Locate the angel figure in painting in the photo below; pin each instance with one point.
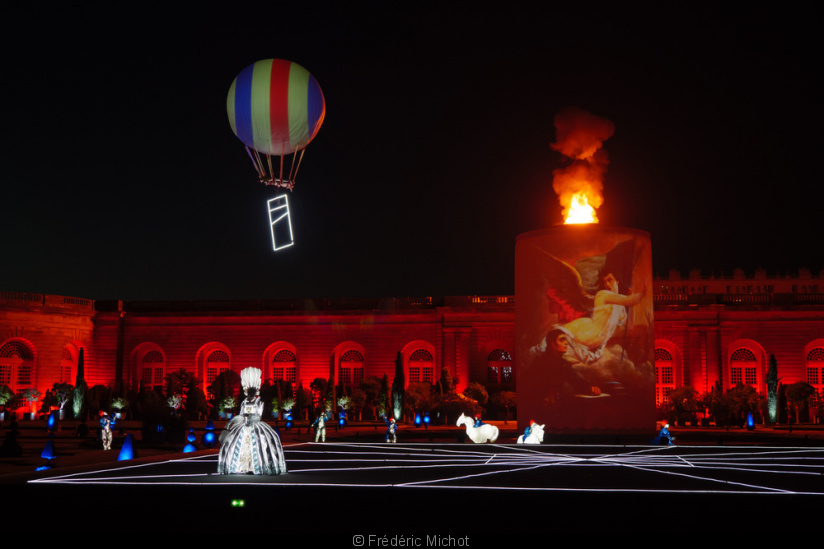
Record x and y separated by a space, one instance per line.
588 335
586 303
249 445
586 319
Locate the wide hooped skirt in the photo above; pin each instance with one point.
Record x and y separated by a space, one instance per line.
252 448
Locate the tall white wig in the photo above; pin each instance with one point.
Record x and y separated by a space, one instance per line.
250 379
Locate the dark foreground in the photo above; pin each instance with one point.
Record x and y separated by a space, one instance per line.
444 493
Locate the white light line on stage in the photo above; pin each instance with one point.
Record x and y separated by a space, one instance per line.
119 469
620 490
108 480
714 480
338 460
453 479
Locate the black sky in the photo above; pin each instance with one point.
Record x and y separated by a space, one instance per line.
123 180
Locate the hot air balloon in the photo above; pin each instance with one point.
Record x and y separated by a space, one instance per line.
275 108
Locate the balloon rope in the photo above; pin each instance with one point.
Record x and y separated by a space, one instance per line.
299 161
281 162
269 161
261 171
292 165
255 164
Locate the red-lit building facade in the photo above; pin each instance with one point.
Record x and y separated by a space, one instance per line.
707 329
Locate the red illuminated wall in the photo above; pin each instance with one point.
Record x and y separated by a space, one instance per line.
129 340
702 324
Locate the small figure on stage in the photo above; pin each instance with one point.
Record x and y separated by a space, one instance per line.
391 430
534 434
106 424
528 430
478 421
320 427
663 435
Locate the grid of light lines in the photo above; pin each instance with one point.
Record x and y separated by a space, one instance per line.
675 469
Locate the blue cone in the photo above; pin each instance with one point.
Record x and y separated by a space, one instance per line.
127 450
48 451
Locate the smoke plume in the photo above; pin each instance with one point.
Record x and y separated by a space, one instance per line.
580 137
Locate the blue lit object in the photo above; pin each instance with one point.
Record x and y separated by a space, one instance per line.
48 451
426 420
208 439
127 450
417 420
43 468
191 436
750 422
52 421
210 425
189 448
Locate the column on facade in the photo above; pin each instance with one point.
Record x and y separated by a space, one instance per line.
693 364
449 352
714 362
462 359
456 355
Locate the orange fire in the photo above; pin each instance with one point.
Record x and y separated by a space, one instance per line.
579 211
580 137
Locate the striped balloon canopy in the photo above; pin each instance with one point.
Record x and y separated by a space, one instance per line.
275 107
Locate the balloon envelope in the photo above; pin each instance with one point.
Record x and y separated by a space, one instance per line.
275 106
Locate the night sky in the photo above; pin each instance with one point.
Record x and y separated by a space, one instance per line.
123 180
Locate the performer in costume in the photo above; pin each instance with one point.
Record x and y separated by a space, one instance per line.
663 435
249 445
528 430
106 424
391 430
478 421
320 427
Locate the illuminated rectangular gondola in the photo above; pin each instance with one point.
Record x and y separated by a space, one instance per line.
280 223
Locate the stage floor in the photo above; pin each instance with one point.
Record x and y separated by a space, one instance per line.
548 468
359 489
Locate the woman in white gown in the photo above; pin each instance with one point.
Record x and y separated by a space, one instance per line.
248 445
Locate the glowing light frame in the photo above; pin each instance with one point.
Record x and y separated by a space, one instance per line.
281 207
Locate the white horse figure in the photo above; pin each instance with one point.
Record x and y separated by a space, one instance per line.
479 435
536 435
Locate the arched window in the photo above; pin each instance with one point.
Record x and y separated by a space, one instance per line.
152 371
421 367
499 367
216 363
284 366
743 368
815 368
664 375
16 365
66 366
351 368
